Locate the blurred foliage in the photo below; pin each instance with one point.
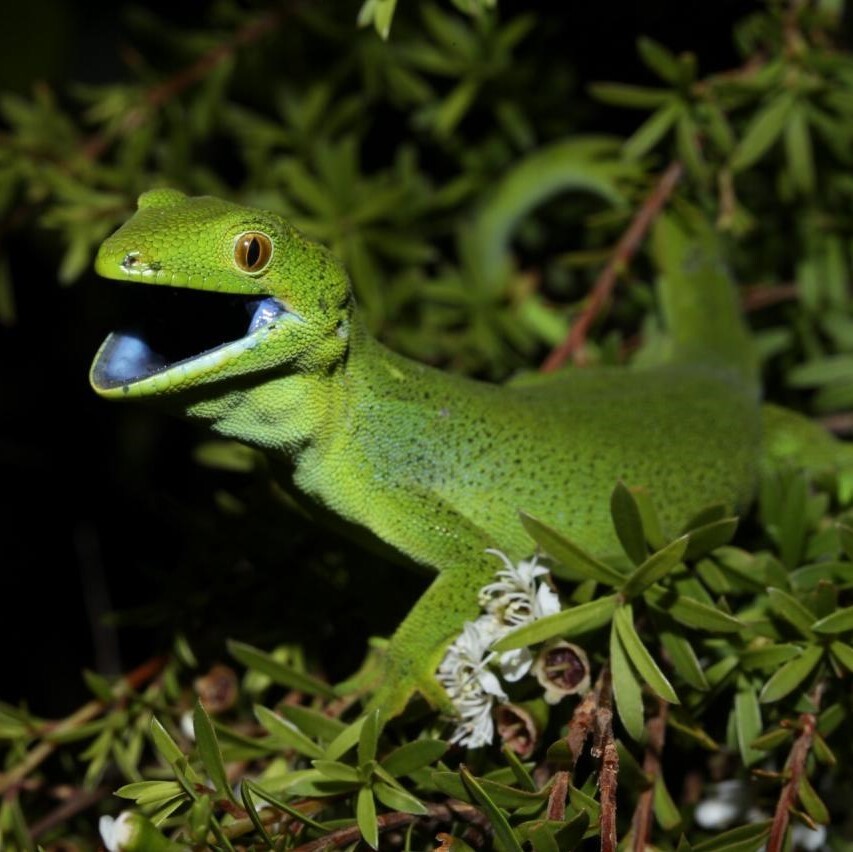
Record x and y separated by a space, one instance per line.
410 155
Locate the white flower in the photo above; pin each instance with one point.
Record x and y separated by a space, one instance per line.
516 599
471 686
116 833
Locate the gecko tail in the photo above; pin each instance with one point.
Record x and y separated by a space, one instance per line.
698 297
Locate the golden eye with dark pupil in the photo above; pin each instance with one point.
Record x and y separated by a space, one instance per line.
252 252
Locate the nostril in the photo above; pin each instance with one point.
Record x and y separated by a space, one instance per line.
130 260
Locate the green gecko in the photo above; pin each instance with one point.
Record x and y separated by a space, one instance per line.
436 465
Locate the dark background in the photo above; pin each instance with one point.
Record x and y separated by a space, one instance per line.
104 509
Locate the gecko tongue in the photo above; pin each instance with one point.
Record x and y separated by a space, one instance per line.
129 356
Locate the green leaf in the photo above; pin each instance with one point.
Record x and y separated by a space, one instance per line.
772 739
282 806
568 622
763 130
337 771
711 536
747 725
345 740
312 722
628 523
150 792
397 799
643 661
503 833
839 621
845 536
666 811
501 794
635 97
769 656
795 613
368 738
252 813
709 515
745 838
412 756
811 802
683 658
286 733
659 59
843 654
169 750
651 521
208 751
581 565
626 689
798 147
692 613
791 675
365 816
657 566
651 131
279 673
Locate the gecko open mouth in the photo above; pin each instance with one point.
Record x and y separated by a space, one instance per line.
199 326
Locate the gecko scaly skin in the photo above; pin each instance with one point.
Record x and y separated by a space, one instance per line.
437 466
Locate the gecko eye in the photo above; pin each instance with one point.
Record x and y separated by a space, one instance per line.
252 251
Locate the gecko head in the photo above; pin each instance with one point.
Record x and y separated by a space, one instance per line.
287 299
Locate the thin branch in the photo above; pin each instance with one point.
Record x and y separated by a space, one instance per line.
763 295
625 249
796 766
557 799
161 93
79 801
641 823
86 713
604 748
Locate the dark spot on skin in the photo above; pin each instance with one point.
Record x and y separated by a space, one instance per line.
155 266
324 305
125 389
444 412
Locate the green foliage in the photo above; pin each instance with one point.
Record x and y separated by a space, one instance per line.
744 634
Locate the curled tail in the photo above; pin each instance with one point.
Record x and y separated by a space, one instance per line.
698 297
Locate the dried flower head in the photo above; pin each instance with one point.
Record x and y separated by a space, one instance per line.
563 669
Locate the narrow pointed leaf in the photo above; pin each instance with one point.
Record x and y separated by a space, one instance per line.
365 816
748 725
657 566
636 97
503 833
693 613
626 689
397 799
666 811
791 675
312 722
169 750
744 838
412 756
763 130
581 565
279 673
284 732
628 523
345 740
811 802
337 771
795 613
843 653
651 131
567 622
252 813
840 621
659 59
709 537
283 806
684 659
368 738
643 661
208 751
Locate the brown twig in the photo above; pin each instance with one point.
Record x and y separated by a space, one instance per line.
641 823
80 800
162 92
396 819
625 249
840 423
796 766
604 748
557 799
763 295
582 722
86 713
